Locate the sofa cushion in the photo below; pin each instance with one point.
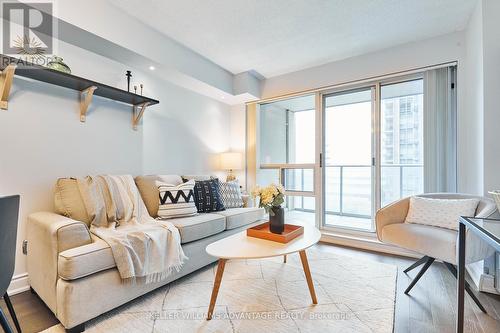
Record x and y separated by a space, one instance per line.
237 217
197 227
85 260
149 191
435 242
68 200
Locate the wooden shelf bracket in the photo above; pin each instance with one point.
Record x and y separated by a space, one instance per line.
137 114
85 99
6 78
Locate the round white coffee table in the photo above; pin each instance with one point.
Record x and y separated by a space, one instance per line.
240 246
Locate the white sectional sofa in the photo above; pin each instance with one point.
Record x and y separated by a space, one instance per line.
74 272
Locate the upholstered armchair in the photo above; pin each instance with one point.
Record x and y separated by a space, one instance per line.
432 242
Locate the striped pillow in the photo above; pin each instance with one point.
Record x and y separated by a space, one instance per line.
176 200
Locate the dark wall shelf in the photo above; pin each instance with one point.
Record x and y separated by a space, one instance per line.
70 81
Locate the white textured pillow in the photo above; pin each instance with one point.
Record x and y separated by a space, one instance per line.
442 213
176 200
230 194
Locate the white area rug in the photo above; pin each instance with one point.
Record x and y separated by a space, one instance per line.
266 295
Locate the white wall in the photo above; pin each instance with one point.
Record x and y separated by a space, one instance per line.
408 56
185 133
42 139
491 84
238 138
470 160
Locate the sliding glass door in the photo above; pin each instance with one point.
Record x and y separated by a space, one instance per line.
343 154
348 159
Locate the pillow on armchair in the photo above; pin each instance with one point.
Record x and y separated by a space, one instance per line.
443 213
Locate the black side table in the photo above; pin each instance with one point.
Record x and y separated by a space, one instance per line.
489 231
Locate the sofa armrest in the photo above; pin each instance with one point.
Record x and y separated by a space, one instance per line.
393 213
48 234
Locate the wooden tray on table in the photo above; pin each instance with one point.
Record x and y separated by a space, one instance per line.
262 231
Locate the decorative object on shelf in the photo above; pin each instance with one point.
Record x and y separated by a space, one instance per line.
128 75
263 231
231 161
271 198
135 90
142 86
58 64
496 197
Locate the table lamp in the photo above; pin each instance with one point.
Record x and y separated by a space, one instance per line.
231 161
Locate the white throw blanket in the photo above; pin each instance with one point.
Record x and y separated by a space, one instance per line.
144 249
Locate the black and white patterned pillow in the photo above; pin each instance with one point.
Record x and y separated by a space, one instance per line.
207 196
176 200
231 194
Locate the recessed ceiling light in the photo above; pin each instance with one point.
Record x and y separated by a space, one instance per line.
152 68
222 97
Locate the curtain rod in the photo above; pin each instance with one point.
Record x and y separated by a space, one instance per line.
348 83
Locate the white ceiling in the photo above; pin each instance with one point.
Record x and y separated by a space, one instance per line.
274 37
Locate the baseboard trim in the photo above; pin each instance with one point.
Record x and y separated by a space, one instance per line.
18 284
366 243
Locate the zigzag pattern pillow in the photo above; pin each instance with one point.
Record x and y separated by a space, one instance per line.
230 194
176 200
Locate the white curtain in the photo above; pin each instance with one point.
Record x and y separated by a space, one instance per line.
440 157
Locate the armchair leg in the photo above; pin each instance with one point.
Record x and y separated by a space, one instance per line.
417 263
12 312
453 271
427 264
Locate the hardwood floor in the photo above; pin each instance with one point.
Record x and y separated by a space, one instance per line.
431 305
32 313
429 308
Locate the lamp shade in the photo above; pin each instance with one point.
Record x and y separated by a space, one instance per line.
231 161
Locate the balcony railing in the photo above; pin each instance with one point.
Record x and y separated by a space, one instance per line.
349 187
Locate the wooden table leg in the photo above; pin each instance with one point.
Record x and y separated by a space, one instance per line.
284 258
307 272
215 290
